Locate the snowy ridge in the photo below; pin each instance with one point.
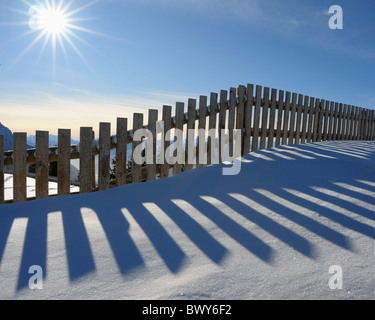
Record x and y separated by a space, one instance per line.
271 232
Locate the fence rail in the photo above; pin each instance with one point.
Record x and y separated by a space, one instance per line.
265 118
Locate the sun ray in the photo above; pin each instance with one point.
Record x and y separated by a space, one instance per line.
44 45
67 6
73 34
53 55
31 45
19 23
72 26
81 8
80 19
46 39
48 5
61 42
25 13
79 53
60 5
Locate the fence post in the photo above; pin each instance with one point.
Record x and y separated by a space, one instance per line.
343 125
292 119
271 133
367 127
104 155
41 164
335 113
152 120
371 124
346 123
63 161
280 110
248 118
179 115
305 119
240 117
325 120
19 167
258 104
231 119
166 138
211 141
222 120
284 139
2 149
85 160
349 123
264 129
353 125
121 150
361 121
93 166
339 122
299 118
320 121
137 168
316 120
330 120
202 126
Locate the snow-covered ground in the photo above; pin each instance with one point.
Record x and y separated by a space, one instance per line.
271 232
30 187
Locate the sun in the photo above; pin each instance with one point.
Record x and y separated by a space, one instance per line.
56 22
52 20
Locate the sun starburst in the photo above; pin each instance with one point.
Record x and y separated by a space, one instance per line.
55 21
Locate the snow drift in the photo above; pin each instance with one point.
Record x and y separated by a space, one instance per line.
271 232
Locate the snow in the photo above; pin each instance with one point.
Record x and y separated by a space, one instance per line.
30 185
271 232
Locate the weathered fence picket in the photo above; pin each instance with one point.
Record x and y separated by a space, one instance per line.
121 150
222 121
63 162
152 120
85 160
104 155
2 188
190 135
201 126
266 105
280 111
248 118
284 139
19 167
271 134
41 164
292 119
305 119
166 139
258 104
177 168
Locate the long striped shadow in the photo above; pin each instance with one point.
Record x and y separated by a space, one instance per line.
116 229
289 237
291 210
308 198
164 244
34 249
195 232
244 237
78 250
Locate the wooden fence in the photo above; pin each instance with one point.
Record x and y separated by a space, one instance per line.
267 118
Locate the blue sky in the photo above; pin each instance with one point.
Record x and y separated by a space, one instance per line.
141 54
